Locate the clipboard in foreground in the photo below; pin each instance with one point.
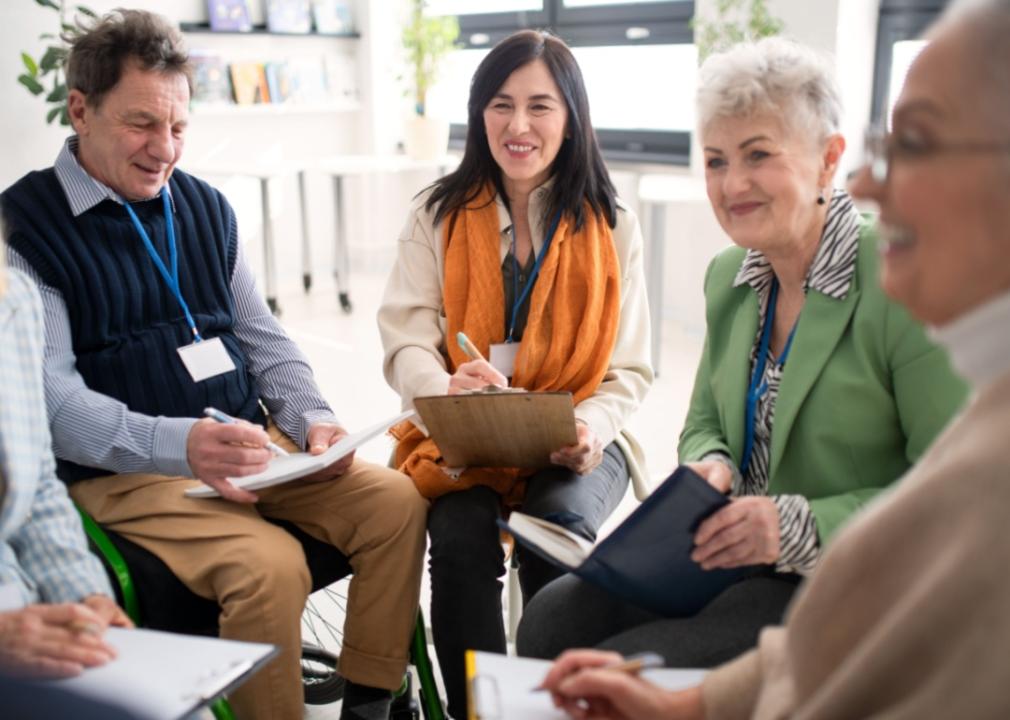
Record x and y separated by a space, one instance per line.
166 676
499 687
499 429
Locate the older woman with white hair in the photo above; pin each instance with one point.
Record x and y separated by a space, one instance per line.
906 615
814 392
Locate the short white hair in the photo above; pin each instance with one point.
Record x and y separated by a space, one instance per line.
774 76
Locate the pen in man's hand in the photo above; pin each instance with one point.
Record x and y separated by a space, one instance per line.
218 416
468 347
631 665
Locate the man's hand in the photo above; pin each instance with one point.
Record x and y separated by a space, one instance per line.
217 451
475 375
718 474
321 437
584 455
581 687
107 609
745 532
52 641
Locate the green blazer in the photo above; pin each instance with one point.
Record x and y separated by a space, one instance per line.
863 394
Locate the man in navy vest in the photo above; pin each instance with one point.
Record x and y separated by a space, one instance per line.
151 315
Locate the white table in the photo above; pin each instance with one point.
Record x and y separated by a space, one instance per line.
339 167
655 194
264 171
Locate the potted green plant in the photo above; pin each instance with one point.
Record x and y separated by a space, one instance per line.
735 21
44 74
427 40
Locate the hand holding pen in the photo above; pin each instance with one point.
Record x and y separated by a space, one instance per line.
222 447
593 683
476 374
218 416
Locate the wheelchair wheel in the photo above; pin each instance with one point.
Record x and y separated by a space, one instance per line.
321 682
321 644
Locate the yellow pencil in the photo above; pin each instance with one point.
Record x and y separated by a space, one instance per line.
468 347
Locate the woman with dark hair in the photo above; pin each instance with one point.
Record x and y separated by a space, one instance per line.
527 250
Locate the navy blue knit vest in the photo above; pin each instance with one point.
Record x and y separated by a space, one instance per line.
126 324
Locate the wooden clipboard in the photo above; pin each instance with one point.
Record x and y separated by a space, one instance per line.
499 429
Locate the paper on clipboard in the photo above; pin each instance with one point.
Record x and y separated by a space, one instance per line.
500 687
165 676
499 429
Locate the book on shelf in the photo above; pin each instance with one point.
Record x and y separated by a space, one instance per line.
308 79
288 16
332 16
249 81
229 15
211 82
278 81
646 561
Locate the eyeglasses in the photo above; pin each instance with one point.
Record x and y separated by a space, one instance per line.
882 148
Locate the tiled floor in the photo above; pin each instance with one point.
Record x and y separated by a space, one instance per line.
347 356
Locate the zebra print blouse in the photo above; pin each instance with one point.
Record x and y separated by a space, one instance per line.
830 274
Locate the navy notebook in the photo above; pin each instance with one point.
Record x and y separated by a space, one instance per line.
646 561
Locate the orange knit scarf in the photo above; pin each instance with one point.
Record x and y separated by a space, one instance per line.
568 340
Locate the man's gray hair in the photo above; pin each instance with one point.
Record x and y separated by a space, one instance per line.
774 76
99 54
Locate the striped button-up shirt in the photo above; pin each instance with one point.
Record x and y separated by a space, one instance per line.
43 552
96 430
831 274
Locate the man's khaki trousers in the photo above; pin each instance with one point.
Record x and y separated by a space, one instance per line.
256 571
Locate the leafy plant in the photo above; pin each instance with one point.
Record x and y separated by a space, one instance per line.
45 75
428 40
735 22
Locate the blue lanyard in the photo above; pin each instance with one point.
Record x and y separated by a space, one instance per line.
518 299
758 385
171 279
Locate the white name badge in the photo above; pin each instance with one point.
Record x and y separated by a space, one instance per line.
503 358
206 359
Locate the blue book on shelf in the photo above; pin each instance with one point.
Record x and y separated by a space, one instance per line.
646 561
229 15
288 16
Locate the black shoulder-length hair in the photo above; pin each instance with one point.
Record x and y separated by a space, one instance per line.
581 175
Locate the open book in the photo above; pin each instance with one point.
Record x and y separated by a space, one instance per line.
646 561
298 465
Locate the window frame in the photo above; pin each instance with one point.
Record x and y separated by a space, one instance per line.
660 23
898 20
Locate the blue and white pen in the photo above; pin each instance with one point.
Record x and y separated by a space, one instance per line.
218 416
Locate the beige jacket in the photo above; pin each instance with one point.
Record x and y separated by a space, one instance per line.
412 324
908 615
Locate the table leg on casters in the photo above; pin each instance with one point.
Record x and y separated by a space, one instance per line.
341 255
306 252
654 278
269 269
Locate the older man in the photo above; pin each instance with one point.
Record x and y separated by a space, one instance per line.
151 315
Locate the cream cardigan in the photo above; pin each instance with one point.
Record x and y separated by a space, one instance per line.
908 615
412 324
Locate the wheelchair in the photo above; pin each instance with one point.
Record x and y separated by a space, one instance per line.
155 598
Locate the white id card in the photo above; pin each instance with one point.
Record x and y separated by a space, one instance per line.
206 359
503 358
